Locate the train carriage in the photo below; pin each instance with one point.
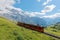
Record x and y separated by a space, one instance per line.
33 27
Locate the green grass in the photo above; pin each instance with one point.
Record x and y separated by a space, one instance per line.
10 31
53 30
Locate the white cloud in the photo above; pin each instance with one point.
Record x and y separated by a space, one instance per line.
38 0
6 4
56 15
48 8
45 3
34 14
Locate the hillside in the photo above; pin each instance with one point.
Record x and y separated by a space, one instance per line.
10 31
54 29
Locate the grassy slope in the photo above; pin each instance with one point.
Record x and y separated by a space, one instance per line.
51 29
10 31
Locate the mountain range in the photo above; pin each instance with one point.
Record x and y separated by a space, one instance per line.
21 16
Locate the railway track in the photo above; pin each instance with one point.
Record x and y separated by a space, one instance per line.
51 35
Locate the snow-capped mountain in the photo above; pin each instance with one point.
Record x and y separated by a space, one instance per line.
23 17
52 21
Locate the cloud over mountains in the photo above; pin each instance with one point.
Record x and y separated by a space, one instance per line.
56 15
7 5
8 10
4 4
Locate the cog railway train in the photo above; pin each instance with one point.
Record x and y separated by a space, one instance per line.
32 27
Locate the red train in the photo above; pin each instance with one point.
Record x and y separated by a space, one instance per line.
33 27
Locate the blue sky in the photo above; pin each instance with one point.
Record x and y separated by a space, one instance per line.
30 5
37 6
34 5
